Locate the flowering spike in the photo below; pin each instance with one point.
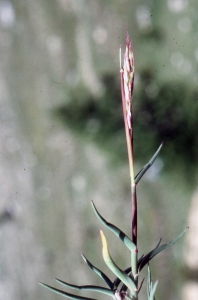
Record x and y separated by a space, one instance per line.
127 80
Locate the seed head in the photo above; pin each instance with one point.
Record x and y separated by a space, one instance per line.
128 80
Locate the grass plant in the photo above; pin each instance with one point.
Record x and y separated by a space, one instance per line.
126 284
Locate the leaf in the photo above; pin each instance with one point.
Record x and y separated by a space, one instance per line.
65 294
122 236
98 272
157 250
153 290
148 165
114 268
142 257
127 271
149 281
87 287
117 280
150 287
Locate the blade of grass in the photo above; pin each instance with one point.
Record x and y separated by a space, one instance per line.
122 236
114 268
65 294
98 272
157 250
87 288
148 165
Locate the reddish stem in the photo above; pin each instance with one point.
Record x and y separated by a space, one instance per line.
129 139
134 215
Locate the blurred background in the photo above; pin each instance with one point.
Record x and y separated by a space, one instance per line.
63 141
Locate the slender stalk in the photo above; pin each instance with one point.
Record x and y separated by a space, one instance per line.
134 255
127 80
129 132
134 214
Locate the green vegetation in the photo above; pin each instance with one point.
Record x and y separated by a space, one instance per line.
126 284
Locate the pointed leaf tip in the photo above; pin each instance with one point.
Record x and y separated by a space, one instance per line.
113 267
148 165
65 294
157 250
93 288
98 272
122 236
104 241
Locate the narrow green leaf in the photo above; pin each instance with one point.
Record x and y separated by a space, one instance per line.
153 290
117 280
157 250
114 268
128 270
142 257
148 165
122 236
87 287
149 282
150 288
98 272
65 294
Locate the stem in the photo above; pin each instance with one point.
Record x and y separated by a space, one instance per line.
129 133
134 255
129 140
134 214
